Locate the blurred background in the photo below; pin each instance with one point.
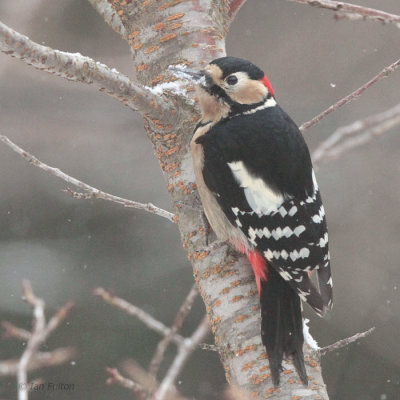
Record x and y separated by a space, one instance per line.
68 247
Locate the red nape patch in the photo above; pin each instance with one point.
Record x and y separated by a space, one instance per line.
266 83
259 266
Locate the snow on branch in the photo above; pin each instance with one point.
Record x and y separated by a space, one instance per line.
352 96
104 8
353 11
356 134
79 68
90 191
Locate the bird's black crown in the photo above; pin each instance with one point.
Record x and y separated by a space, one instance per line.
230 65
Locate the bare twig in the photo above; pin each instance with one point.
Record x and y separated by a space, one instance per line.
57 318
92 192
345 342
31 358
78 68
139 375
36 339
186 346
352 96
353 11
104 8
184 351
137 312
116 377
12 331
209 347
180 317
39 360
356 134
234 7
363 138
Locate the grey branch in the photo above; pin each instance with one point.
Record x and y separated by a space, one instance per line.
353 11
356 134
104 8
91 192
180 317
40 333
234 8
34 342
116 377
12 331
345 342
145 379
209 347
78 68
137 312
185 349
186 346
352 96
39 360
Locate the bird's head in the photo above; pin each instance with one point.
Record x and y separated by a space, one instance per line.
229 86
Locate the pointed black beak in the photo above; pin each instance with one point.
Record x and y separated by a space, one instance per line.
196 77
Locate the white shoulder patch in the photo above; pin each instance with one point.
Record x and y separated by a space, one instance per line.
261 198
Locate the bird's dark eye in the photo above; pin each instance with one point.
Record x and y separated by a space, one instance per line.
232 80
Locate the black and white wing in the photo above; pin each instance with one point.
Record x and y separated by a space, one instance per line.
264 182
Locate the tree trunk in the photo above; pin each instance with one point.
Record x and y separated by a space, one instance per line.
193 33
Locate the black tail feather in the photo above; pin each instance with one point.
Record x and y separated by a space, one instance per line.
281 325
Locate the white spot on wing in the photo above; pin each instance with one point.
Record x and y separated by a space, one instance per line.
268 254
293 211
323 241
303 295
235 210
303 253
299 229
285 275
277 233
252 236
317 218
261 198
284 254
282 211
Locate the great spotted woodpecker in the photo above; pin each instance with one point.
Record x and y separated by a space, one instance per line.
258 189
